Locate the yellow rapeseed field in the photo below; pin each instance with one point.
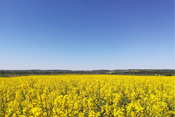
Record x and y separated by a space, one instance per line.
87 96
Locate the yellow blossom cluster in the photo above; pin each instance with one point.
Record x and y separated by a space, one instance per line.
87 96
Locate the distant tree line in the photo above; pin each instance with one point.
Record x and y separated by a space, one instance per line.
115 72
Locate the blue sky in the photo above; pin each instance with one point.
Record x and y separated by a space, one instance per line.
87 34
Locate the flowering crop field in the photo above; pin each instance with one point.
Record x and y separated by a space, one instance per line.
87 96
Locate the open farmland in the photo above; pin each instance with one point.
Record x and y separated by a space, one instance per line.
87 95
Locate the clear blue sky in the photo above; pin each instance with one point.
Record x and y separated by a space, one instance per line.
86 34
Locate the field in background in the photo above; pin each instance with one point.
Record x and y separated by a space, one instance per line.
87 95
